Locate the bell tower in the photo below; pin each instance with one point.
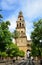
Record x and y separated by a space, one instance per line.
20 27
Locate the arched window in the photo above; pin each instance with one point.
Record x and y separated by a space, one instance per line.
20 24
17 25
20 18
28 45
21 31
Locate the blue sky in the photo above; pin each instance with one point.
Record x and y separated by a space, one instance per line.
32 11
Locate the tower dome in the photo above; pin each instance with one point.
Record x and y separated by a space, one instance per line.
20 14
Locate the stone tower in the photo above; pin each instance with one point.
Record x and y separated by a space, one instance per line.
20 27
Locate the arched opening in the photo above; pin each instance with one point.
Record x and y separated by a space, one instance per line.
21 33
20 18
28 53
20 24
28 50
28 45
17 25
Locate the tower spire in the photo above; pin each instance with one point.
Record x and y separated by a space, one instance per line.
21 24
20 14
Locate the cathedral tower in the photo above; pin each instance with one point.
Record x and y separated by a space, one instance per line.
20 27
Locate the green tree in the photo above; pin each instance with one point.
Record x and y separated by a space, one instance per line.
7 48
21 53
36 37
12 50
16 35
5 35
4 54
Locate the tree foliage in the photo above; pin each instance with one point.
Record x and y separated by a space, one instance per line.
21 53
16 34
7 48
12 50
5 35
36 37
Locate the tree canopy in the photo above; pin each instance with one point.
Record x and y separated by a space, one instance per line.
5 35
16 34
7 47
36 37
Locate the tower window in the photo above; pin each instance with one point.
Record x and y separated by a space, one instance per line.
17 25
21 31
20 24
20 18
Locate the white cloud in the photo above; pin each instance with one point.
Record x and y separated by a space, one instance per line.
29 28
32 8
13 40
28 37
12 20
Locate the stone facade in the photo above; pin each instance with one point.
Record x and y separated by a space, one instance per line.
22 41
